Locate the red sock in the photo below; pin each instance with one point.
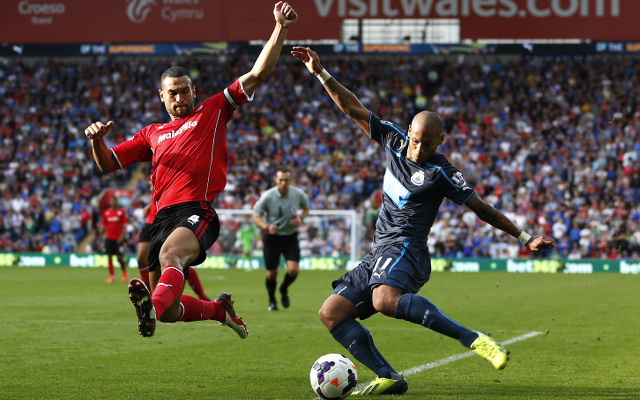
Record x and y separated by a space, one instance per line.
144 274
194 282
199 310
168 290
123 265
110 267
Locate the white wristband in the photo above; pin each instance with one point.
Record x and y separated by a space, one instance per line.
524 238
323 76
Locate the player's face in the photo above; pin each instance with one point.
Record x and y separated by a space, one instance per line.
423 143
178 96
283 180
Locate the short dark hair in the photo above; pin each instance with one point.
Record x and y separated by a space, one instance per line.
283 169
175 72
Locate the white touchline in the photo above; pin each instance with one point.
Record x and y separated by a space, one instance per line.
457 357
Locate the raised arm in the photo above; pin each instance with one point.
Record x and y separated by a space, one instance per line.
346 101
285 18
497 219
102 154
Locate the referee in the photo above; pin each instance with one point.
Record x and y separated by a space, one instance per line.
276 214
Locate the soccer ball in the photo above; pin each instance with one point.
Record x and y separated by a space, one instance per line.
333 377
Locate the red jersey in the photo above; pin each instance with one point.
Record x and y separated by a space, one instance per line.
189 155
153 210
114 222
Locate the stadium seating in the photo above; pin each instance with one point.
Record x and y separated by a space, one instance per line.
553 142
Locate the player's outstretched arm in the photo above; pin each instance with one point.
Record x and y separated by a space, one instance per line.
497 219
285 18
102 154
345 99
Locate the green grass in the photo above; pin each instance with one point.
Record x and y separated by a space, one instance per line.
65 334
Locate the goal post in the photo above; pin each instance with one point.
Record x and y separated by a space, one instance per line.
329 239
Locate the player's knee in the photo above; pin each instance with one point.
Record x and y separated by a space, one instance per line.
384 305
327 317
170 258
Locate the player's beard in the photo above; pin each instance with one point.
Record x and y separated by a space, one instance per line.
178 113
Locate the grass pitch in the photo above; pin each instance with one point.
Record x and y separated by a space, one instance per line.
65 334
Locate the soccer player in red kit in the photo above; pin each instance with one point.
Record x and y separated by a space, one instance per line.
144 244
114 219
189 157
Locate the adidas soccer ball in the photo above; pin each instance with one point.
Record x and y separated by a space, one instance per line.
333 377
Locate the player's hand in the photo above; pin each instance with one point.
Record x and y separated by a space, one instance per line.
285 15
540 242
309 58
98 130
146 210
295 221
272 229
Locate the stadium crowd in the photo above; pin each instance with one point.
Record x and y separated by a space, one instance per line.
551 141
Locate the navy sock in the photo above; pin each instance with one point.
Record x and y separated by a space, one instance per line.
420 310
358 341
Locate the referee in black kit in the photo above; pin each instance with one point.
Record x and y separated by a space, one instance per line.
276 214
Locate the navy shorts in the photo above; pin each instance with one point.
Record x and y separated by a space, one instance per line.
402 266
276 245
199 217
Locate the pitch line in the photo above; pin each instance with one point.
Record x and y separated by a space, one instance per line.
461 356
451 359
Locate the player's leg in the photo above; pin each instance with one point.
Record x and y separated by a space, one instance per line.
338 313
112 277
395 297
419 310
142 258
109 250
178 238
293 268
398 273
271 255
179 250
183 247
196 285
271 283
123 265
292 257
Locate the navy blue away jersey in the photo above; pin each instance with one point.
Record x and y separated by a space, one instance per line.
412 193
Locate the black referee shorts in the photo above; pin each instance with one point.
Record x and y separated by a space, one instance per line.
276 245
199 217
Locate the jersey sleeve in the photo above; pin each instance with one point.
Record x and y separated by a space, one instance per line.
455 187
382 131
304 203
236 96
136 149
260 208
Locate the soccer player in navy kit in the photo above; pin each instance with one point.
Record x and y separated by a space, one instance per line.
416 181
189 156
